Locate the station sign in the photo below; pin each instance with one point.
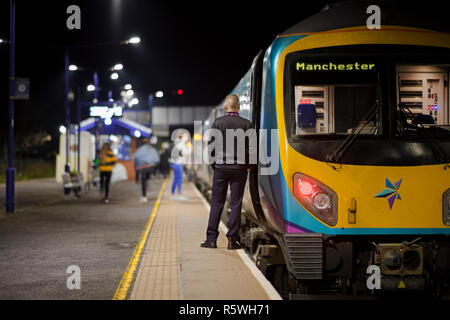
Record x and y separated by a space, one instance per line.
22 89
105 112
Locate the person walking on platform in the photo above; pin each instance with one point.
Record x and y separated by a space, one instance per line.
107 160
177 161
146 158
164 165
231 172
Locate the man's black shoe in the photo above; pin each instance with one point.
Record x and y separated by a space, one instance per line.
233 245
207 244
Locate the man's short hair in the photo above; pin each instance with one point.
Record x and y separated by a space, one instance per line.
232 101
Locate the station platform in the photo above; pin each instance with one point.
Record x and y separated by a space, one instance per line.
169 264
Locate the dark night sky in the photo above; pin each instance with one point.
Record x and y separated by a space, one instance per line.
202 47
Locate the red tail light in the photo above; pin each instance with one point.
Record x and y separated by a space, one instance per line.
317 198
305 188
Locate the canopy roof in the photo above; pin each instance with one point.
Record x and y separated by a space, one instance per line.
117 127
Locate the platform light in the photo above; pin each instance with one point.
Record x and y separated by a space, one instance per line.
108 121
159 94
90 88
130 93
73 67
118 67
62 129
134 40
133 102
113 138
114 76
137 133
128 86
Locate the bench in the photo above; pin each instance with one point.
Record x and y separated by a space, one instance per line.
68 183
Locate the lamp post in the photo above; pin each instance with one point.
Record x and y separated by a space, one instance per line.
67 106
133 40
10 172
79 127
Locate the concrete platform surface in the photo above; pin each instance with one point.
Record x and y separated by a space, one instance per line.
50 234
174 266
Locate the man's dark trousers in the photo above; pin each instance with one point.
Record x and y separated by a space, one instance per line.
236 178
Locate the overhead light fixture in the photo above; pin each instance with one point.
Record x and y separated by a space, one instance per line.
134 40
133 102
130 93
128 86
118 67
90 88
159 94
73 67
115 76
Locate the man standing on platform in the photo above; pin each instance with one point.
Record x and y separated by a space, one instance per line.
230 168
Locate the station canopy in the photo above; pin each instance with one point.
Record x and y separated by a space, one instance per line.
116 126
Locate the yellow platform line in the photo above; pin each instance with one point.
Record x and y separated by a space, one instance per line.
128 276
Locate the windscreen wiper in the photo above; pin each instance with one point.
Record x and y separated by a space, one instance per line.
443 156
339 152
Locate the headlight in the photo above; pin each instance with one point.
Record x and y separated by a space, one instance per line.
322 201
446 207
317 198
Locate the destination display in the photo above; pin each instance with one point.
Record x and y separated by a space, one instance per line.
333 66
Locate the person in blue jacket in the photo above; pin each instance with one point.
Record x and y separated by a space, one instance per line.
145 159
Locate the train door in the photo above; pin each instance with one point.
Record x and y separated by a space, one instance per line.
423 90
255 113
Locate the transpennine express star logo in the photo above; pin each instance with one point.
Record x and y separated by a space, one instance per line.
391 192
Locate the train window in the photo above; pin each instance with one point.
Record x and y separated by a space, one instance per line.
422 90
334 109
332 96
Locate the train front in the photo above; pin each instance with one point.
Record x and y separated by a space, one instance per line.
363 121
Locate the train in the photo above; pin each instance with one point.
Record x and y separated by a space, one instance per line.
360 203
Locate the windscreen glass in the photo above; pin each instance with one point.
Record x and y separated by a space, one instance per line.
332 96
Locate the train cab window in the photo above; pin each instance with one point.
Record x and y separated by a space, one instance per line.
334 108
333 97
421 88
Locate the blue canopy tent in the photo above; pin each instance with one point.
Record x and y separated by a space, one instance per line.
116 127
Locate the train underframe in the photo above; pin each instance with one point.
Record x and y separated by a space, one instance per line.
317 266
